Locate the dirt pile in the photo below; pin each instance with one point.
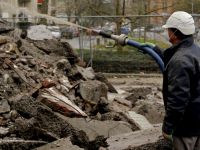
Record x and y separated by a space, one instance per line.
48 95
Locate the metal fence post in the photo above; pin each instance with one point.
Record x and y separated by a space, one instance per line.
91 55
82 38
79 38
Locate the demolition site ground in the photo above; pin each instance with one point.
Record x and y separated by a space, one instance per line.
50 100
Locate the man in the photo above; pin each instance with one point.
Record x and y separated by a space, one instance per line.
181 83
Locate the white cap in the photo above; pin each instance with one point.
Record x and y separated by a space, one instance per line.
182 21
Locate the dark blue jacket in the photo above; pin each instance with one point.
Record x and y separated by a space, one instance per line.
181 88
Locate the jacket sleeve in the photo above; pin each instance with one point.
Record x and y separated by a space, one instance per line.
178 94
159 50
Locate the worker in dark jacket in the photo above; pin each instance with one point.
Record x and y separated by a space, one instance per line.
181 83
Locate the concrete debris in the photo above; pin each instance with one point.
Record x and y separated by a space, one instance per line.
5 26
120 117
87 73
137 93
99 76
39 32
121 105
153 111
139 120
20 144
102 107
3 132
111 96
58 102
47 95
150 139
93 90
3 40
63 64
60 144
4 106
110 128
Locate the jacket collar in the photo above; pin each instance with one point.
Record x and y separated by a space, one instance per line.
187 42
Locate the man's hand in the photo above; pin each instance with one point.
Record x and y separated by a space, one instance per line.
150 45
166 136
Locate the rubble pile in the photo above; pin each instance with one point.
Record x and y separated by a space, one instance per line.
48 97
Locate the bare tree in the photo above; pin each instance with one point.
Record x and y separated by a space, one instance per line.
123 7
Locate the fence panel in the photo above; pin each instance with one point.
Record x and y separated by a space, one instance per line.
99 52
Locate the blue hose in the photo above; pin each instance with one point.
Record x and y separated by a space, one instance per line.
153 54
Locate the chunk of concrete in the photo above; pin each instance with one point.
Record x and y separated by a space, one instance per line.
121 116
39 32
5 26
111 96
121 105
3 40
47 120
4 106
93 90
20 144
87 73
139 120
137 93
63 64
65 81
3 131
58 102
150 139
153 111
95 128
25 128
102 106
99 76
60 144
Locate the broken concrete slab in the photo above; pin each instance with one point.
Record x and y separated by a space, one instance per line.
102 106
111 96
65 81
95 128
121 105
134 141
152 111
121 116
93 90
39 32
3 132
46 120
5 26
20 144
99 76
4 106
87 73
60 144
139 120
3 40
25 128
58 102
63 64
137 93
